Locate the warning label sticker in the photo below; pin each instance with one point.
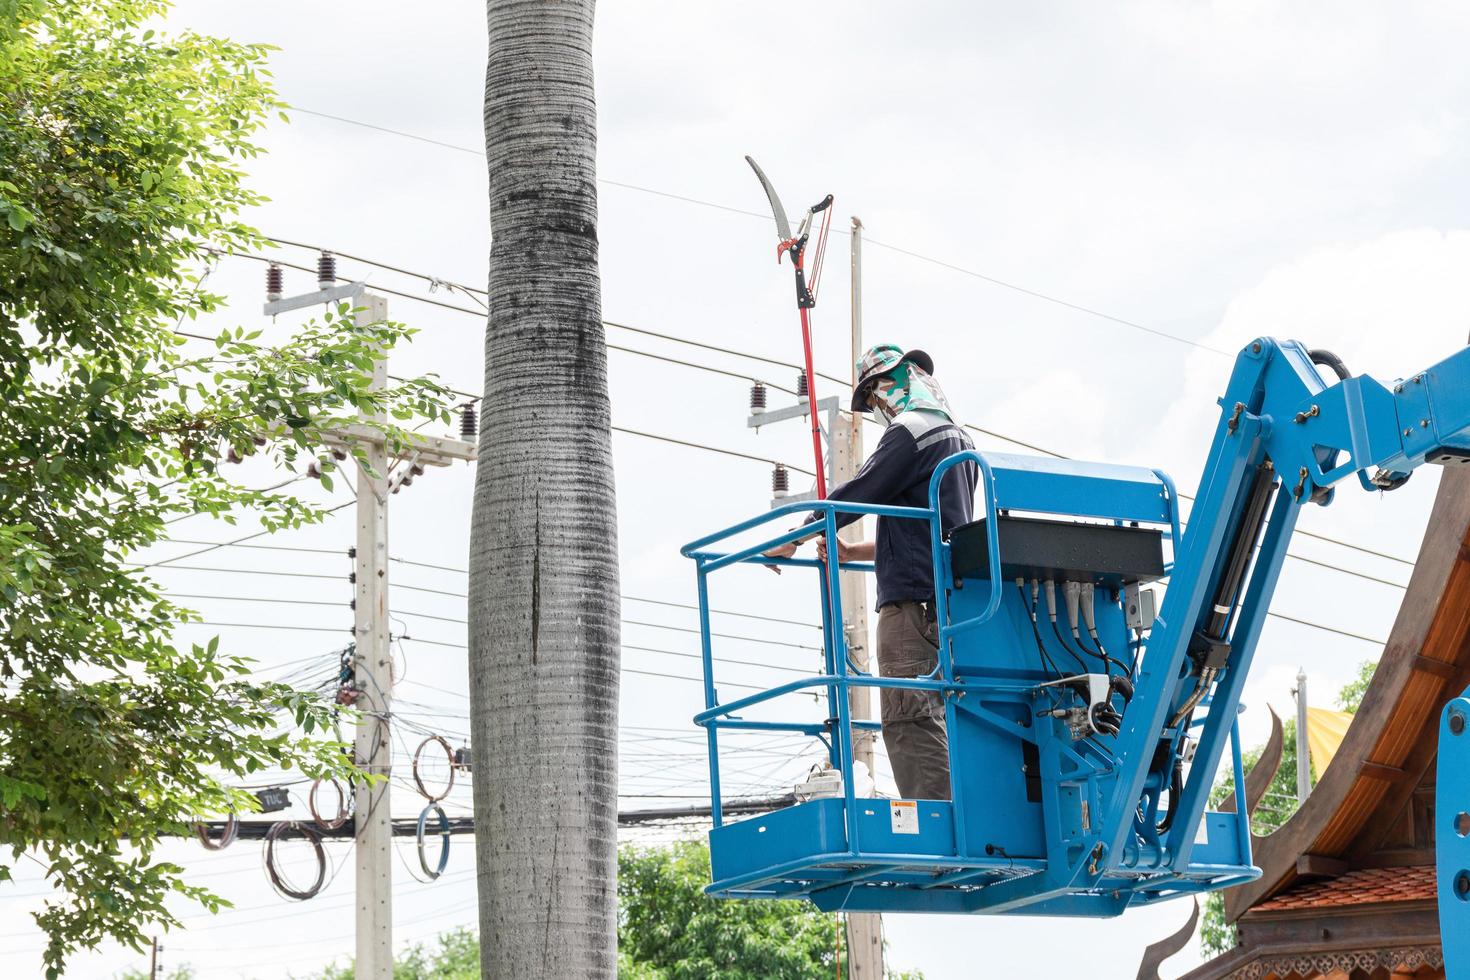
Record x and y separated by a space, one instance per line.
904 815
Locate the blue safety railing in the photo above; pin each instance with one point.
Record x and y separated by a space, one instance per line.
837 678
1030 485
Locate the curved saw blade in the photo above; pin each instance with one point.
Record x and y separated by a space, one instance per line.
783 226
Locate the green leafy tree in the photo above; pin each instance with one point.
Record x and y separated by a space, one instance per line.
1350 698
1277 806
121 180
185 972
456 958
669 929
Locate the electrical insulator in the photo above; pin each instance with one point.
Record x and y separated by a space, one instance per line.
326 270
801 385
232 456
780 479
758 397
417 469
313 470
469 425
339 454
275 282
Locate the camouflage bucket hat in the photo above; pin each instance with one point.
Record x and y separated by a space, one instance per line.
880 360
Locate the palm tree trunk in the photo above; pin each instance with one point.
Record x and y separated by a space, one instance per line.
543 547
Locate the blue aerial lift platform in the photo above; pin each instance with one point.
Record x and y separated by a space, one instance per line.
1085 732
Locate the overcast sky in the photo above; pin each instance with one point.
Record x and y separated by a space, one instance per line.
1212 172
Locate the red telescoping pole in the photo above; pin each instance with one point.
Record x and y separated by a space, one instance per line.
811 395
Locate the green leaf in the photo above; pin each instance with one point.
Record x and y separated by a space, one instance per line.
114 210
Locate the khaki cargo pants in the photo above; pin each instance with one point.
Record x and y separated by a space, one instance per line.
913 721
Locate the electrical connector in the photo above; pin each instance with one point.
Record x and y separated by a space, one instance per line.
1089 620
1071 593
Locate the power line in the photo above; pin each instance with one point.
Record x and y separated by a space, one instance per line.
625 622
425 564
733 453
722 636
625 670
975 428
718 660
992 280
269 626
268 547
247 598
713 449
226 544
479 314
630 598
723 612
1330 629
638 432
701 367
241 571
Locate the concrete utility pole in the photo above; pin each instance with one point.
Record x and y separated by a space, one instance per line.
1303 754
864 930
372 671
372 662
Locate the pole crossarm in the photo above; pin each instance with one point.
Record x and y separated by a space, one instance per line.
430 450
351 290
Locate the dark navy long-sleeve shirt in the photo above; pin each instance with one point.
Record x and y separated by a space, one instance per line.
897 474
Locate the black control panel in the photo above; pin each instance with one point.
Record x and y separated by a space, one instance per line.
1063 551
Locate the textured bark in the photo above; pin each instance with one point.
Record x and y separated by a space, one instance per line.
543 547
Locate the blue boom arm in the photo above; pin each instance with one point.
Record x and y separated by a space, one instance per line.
1279 420
1062 803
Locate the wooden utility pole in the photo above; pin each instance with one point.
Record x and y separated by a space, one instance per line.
864 930
372 671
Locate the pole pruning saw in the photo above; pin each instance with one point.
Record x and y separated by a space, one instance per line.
806 296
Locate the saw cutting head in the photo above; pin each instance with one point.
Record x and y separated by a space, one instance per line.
783 225
787 241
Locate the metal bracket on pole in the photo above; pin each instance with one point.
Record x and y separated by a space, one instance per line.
831 406
352 290
828 406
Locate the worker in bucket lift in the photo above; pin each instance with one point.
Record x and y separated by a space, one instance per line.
899 388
